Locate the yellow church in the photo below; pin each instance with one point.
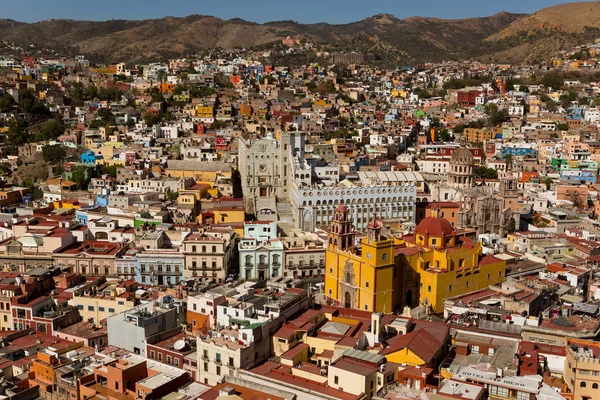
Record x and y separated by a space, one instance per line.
382 274
446 264
363 277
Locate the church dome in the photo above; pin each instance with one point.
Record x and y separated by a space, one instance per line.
462 156
375 223
341 208
433 226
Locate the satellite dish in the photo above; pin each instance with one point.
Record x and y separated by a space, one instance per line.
179 345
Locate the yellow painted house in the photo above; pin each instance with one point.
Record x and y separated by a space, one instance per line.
205 111
446 264
425 345
366 278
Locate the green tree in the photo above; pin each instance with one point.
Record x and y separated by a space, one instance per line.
76 93
6 103
552 80
171 195
51 129
562 127
161 76
110 170
548 183
152 119
157 96
111 94
34 189
495 116
486 173
444 135
424 94
90 92
81 176
5 169
54 153
512 225
16 136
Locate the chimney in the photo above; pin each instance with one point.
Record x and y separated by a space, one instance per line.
226 391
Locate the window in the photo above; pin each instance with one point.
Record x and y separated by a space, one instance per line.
582 384
330 292
169 359
206 367
90 308
428 288
449 288
489 276
336 380
367 284
101 309
218 370
159 356
152 354
80 306
584 372
177 362
467 283
218 357
594 386
331 270
231 361
111 310
474 349
491 351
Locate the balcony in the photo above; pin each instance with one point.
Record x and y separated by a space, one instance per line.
263 266
276 263
218 361
248 265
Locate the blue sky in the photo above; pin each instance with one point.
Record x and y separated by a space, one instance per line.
307 11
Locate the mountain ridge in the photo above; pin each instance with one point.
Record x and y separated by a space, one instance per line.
414 39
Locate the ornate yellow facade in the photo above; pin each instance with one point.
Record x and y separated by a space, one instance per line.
382 275
365 278
446 264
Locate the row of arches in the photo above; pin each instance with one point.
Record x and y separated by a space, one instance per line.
332 202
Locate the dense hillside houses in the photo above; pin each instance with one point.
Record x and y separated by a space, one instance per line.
232 225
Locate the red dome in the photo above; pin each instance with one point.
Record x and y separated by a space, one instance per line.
341 208
435 227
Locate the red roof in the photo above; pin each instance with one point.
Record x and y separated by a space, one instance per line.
435 227
423 343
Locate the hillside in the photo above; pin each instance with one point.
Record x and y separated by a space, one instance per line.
566 18
501 37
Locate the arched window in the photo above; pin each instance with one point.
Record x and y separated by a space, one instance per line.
193 249
582 384
214 249
594 386
204 249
